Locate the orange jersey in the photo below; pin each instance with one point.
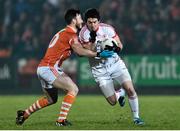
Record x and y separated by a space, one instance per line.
59 48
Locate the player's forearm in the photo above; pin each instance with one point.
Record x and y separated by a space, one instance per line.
120 45
86 52
83 52
89 46
119 42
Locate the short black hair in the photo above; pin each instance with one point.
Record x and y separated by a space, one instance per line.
92 13
71 14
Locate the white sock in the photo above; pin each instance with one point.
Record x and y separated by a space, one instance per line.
134 105
120 92
117 95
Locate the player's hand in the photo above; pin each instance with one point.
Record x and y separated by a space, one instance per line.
105 54
92 36
116 48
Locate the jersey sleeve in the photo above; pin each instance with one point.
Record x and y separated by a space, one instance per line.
83 36
110 31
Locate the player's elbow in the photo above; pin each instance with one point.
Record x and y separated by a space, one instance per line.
78 50
121 46
79 55
83 52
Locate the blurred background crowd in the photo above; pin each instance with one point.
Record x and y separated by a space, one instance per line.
144 26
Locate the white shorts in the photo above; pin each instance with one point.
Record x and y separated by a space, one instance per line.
105 75
47 75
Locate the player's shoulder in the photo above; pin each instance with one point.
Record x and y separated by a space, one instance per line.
60 32
84 30
105 25
106 28
67 32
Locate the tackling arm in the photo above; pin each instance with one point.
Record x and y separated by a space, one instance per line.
89 46
78 48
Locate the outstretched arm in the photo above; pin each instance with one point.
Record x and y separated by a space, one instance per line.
78 48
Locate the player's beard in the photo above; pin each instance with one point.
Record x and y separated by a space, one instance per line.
78 28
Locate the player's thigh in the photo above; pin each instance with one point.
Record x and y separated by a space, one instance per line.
122 76
126 82
107 87
51 77
65 82
47 75
120 70
105 83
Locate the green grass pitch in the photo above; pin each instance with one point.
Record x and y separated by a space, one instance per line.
94 113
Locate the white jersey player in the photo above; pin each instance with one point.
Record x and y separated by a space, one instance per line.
106 70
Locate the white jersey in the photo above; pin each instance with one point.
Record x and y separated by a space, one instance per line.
105 70
104 31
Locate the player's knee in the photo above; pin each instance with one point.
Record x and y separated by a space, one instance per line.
131 92
111 101
74 90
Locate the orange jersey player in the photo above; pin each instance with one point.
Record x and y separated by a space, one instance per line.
59 48
51 75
